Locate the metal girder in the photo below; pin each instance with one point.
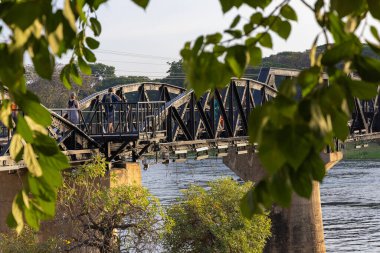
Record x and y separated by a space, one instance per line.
240 112
177 117
204 118
118 151
182 115
224 114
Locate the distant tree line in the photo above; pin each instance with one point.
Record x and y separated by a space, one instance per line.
103 76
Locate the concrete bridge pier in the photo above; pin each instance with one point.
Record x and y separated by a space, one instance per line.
123 173
298 228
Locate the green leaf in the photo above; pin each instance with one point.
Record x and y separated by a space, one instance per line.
32 218
25 198
52 166
11 222
48 207
237 34
16 147
92 43
270 154
74 74
236 59
257 3
142 3
69 15
368 68
198 45
256 201
31 161
302 182
247 204
65 77
43 61
5 113
341 51
363 90
23 129
36 111
90 57
45 145
22 14
95 26
255 56
339 122
280 189
317 166
227 5
265 40
282 28
58 161
345 8
374 8
34 126
294 144
84 67
308 79
17 213
288 12
375 33
256 18
235 22
214 38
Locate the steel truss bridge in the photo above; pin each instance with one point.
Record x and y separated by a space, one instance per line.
158 118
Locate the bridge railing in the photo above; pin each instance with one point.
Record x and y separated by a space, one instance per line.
141 118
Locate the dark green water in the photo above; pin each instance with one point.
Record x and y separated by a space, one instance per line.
350 197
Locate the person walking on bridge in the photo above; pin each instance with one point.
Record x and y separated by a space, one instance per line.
108 102
73 112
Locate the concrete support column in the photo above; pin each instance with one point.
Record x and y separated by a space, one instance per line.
11 184
298 228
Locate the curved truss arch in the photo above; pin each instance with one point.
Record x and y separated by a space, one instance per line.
222 113
166 92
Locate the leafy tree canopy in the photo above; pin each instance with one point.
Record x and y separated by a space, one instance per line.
110 82
211 221
176 75
294 132
102 71
95 211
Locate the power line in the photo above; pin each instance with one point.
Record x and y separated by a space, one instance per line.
120 53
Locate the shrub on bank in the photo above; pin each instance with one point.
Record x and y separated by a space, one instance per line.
210 220
28 242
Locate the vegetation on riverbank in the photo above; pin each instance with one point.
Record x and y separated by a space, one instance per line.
129 219
210 220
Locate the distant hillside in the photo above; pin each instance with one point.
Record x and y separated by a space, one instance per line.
300 60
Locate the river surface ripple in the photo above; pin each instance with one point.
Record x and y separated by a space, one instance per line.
350 197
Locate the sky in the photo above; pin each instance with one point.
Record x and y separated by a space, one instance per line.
141 42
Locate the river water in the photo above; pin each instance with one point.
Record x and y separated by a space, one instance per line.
350 197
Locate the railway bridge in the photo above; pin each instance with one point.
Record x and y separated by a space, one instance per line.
167 122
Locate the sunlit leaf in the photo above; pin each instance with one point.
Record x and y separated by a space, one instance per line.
15 149
69 15
288 12
31 160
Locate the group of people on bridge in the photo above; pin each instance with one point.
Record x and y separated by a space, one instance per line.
108 102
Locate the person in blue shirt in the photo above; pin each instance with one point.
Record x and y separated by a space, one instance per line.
108 102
